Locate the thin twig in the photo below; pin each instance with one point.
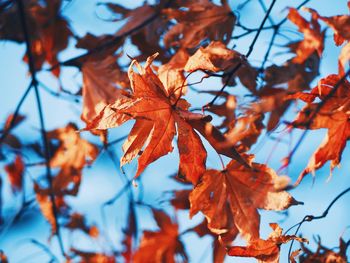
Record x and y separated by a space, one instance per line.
15 114
250 50
272 41
41 117
263 6
309 218
58 94
116 141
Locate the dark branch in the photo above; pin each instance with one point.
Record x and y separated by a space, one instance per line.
250 50
309 218
15 114
32 69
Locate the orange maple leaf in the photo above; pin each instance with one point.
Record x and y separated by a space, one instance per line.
313 37
333 115
163 245
156 112
45 204
15 172
77 221
296 76
88 256
217 57
237 192
49 30
340 25
266 251
198 22
324 254
71 157
103 83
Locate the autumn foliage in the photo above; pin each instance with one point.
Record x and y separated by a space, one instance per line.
182 52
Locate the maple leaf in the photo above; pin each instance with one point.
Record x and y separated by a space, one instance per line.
199 22
313 37
77 221
93 44
163 245
333 115
3 258
172 76
12 140
71 157
219 242
45 205
266 251
147 38
340 25
102 83
324 254
226 109
179 200
15 173
217 57
49 31
156 113
87 256
273 97
217 140
245 131
344 59
237 192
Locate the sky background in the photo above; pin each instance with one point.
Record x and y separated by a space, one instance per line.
103 179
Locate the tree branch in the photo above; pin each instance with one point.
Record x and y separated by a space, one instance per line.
41 117
309 218
15 114
250 50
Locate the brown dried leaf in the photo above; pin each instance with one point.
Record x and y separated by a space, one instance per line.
102 83
217 57
93 256
71 157
324 254
163 245
46 207
274 97
199 22
77 221
334 115
265 251
313 37
172 76
237 192
49 30
147 37
156 113
15 172
3 258
340 25
245 131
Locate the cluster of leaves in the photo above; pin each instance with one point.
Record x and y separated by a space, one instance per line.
176 39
